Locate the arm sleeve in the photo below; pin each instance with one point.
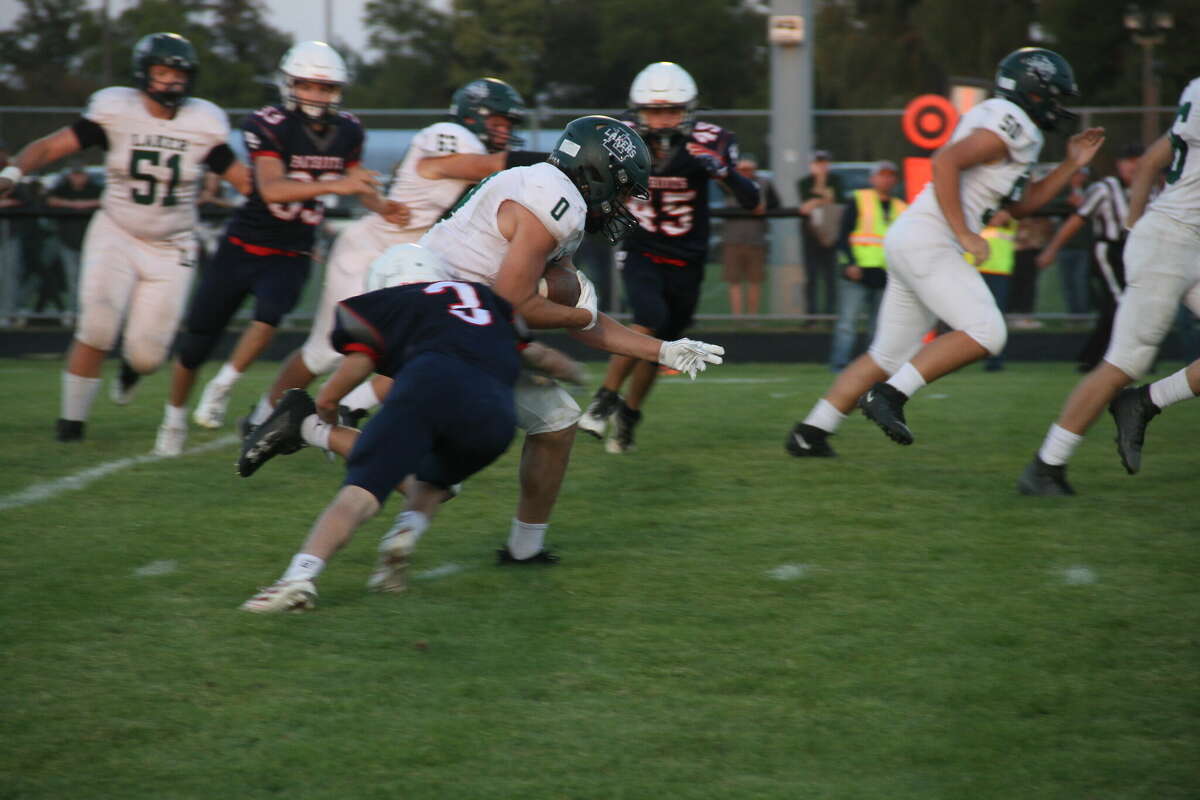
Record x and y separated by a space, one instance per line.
89 133
260 140
353 333
220 158
523 158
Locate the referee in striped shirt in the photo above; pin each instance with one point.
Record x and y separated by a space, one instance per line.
1106 203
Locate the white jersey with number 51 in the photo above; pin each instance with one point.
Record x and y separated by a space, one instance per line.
1180 199
469 240
153 165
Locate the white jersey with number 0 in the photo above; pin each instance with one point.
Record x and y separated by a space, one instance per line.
428 198
153 166
985 188
1180 199
470 242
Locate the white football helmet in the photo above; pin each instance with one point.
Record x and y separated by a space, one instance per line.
664 84
406 263
316 62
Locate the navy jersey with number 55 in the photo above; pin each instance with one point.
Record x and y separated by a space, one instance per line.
674 222
307 155
465 320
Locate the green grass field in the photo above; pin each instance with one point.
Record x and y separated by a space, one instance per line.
727 622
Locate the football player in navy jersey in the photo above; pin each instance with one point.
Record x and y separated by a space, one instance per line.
663 259
301 148
451 348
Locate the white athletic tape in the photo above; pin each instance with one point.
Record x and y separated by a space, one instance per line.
81 480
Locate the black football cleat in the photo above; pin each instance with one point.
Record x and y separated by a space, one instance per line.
68 430
595 419
807 441
279 435
351 417
504 557
1132 410
1040 478
883 404
620 438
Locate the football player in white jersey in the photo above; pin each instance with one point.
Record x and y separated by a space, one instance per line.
442 162
1162 267
140 249
502 235
985 167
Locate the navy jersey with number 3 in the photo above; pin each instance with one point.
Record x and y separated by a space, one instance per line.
307 155
465 320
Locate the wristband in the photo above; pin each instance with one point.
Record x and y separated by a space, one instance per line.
12 173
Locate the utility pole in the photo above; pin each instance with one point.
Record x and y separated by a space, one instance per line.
1149 29
790 33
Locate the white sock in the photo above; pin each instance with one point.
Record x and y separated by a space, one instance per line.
907 379
78 393
228 375
361 397
315 432
1058 445
824 416
175 416
261 411
414 521
525 538
1171 389
304 567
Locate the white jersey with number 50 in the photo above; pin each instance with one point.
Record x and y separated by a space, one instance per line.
469 240
1180 199
153 165
986 188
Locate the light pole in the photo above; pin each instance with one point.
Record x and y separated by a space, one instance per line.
1149 28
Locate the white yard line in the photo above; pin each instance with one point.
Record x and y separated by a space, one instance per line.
81 480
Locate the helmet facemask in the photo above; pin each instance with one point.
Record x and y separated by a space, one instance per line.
312 110
167 50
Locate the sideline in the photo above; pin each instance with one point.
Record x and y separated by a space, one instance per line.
80 480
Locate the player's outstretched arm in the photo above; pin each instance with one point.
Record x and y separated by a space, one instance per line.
354 369
276 187
461 166
1145 175
37 154
685 355
1081 148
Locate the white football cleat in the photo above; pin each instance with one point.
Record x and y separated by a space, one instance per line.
210 411
298 595
170 441
391 570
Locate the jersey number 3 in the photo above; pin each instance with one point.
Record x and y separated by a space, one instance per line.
468 307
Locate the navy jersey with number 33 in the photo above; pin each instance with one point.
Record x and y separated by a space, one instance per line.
307 155
465 320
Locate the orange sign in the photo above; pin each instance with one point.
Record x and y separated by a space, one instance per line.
929 120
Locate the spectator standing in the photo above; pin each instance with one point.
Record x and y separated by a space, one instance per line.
1074 259
821 199
1032 235
864 224
1001 235
744 254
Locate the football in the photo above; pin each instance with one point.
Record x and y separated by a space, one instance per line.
559 285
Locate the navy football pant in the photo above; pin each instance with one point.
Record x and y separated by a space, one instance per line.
444 420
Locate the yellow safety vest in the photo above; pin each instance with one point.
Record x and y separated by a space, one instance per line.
1002 244
866 240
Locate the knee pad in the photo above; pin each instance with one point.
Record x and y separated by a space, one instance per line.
319 359
991 332
195 348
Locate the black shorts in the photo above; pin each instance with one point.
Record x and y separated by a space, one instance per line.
443 421
663 296
276 281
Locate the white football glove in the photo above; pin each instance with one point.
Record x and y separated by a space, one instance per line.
689 355
587 299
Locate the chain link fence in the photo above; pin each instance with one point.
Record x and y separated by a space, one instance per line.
35 279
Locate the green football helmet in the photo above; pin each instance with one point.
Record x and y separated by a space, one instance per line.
472 104
1037 79
170 50
609 163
